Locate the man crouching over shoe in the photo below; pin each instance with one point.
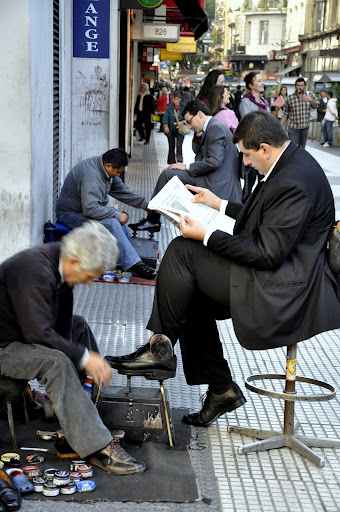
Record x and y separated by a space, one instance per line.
40 338
270 276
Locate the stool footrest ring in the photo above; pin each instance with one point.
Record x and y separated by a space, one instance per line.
290 397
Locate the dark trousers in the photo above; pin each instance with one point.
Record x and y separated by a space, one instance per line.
175 141
143 125
298 136
192 292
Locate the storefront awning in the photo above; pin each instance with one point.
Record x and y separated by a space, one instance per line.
329 77
194 15
286 71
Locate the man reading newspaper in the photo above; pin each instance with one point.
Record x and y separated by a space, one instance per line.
270 276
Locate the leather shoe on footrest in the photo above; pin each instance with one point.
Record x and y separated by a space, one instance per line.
114 459
143 363
216 405
143 270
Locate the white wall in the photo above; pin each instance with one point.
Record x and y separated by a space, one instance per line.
41 58
25 121
275 32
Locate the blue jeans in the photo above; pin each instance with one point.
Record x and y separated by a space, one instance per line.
77 414
127 254
327 131
298 136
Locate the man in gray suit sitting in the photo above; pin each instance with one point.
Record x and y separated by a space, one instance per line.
216 163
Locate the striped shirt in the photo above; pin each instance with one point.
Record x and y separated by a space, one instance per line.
297 111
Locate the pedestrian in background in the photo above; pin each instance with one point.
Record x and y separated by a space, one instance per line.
330 116
144 110
298 110
172 119
162 103
218 99
321 111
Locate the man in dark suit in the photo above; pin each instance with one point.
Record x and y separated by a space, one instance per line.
216 165
144 110
270 276
38 339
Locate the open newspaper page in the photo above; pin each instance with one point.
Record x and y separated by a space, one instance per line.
174 199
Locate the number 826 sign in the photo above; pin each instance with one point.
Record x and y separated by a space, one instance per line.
165 33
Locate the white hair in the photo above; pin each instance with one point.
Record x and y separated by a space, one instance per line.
93 245
146 86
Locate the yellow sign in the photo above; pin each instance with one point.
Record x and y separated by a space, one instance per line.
169 55
184 45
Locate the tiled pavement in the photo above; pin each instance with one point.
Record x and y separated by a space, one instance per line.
275 481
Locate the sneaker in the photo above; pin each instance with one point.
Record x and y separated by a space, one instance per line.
326 145
114 459
143 270
146 225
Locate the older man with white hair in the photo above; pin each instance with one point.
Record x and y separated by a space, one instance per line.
144 110
38 339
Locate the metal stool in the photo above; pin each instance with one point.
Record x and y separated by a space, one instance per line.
167 415
11 390
288 437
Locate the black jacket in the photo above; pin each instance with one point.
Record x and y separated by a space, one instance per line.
35 307
281 288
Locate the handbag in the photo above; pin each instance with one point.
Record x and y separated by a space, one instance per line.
333 249
183 129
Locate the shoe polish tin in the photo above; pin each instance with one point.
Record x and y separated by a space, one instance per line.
76 463
86 486
61 478
38 484
69 488
35 459
85 471
50 489
10 459
49 473
75 476
32 471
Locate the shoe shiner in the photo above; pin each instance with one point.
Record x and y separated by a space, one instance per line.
37 339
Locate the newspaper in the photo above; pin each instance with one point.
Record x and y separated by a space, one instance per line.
174 199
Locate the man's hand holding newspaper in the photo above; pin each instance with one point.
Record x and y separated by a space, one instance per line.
194 214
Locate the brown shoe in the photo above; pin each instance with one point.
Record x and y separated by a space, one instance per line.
114 459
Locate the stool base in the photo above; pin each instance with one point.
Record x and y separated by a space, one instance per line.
272 440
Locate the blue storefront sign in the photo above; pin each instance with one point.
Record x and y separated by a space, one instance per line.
91 24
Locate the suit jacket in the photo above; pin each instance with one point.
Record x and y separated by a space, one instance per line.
148 105
216 165
281 288
35 307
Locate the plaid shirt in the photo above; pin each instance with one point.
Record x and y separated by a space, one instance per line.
297 111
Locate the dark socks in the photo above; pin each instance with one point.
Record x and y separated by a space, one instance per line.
220 387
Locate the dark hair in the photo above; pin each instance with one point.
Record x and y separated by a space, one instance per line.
116 157
250 77
185 88
238 87
194 106
176 94
260 127
209 82
284 88
330 93
300 79
215 98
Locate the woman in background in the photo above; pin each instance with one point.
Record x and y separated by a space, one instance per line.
162 103
175 139
253 99
218 98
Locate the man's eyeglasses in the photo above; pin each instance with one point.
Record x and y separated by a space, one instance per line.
189 121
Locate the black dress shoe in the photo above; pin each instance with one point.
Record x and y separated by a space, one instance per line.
143 270
145 364
10 498
216 405
114 459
